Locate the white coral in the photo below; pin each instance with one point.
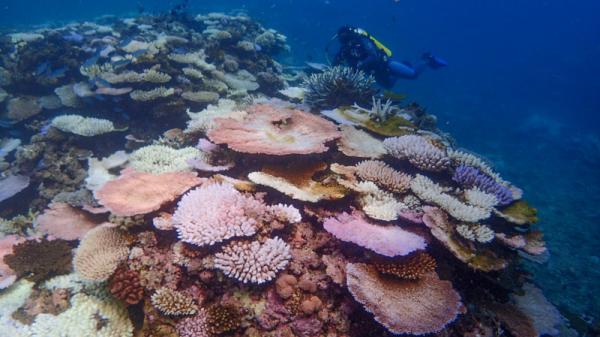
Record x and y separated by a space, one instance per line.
476 197
429 191
83 126
157 159
418 151
253 262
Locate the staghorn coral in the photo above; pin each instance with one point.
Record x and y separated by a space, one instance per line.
404 307
253 262
100 252
40 260
429 191
157 159
83 126
174 303
414 267
125 285
383 175
338 86
418 151
136 193
385 240
271 130
221 319
470 177
216 212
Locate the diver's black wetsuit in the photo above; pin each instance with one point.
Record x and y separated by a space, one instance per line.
358 50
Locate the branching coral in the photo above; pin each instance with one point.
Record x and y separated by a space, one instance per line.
275 131
83 126
476 232
40 260
216 212
385 240
383 175
338 86
171 302
194 326
404 307
413 267
429 191
253 262
100 253
418 151
469 177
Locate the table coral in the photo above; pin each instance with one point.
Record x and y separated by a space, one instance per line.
404 307
387 240
274 131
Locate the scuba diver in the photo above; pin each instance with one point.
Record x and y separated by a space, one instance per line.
360 50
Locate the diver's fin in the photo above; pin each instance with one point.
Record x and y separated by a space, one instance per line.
433 61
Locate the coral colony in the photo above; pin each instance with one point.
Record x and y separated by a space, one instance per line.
175 180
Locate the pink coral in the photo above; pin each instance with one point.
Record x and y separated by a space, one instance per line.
275 131
385 240
195 326
217 212
136 193
65 222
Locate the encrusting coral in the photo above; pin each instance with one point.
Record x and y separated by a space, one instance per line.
40 260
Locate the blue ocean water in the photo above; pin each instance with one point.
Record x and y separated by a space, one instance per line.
522 89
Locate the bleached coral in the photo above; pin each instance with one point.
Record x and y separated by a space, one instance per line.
476 197
418 151
429 191
375 202
151 95
253 262
99 169
203 121
87 316
157 159
171 302
83 126
197 59
357 143
476 232
216 212
149 76
200 96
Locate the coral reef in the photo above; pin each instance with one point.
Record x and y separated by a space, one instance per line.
100 252
413 267
469 177
171 302
125 285
418 151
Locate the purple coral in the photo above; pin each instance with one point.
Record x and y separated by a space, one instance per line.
469 177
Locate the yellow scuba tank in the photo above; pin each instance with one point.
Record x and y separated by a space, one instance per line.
378 44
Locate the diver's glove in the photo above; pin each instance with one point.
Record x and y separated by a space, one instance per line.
433 61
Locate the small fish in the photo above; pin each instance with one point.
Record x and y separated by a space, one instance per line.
317 66
257 47
180 50
139 53
120 63
56 73
91 61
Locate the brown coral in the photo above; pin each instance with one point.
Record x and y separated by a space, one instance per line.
125 285
383 175
413 267
222 318
40 260
171 302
